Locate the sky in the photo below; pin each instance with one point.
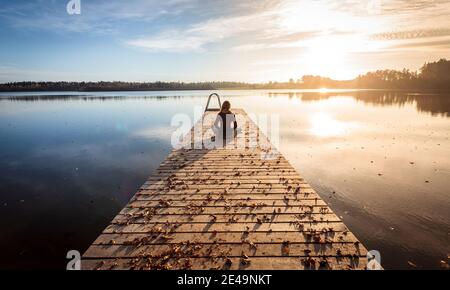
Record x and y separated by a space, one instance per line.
214 40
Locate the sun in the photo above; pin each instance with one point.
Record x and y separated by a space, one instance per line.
327 56
340 37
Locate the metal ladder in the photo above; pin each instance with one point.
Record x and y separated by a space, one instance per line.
207 109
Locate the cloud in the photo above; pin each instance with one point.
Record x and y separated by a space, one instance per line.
289 40
419 39
408 6
195 37
412 34
171 41
259 28
385 7
427 45
98 16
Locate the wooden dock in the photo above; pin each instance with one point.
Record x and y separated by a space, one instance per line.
226 209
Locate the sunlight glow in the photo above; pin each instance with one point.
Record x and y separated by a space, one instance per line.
323 57
323 125
332 55
331 52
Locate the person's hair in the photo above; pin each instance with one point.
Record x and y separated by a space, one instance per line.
225 106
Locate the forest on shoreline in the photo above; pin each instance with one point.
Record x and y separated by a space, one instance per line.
433 76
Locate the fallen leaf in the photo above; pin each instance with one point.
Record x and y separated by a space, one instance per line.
412 264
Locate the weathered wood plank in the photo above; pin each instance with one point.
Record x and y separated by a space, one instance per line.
203 218
199 250
217 197
304 190
255 263
232 203
158 228
227 210
233 237
288 187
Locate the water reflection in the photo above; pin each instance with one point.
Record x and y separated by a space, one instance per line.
37 98
436 104
70 161
324 125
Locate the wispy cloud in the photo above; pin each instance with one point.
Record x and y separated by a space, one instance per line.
430 45
197 36
290 40
411 34
98 16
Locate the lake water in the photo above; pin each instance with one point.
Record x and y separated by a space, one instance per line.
70 161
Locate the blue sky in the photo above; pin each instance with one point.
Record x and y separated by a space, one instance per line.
181 40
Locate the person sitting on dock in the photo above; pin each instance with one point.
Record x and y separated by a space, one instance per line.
224 124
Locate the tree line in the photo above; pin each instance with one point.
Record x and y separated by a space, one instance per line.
432 76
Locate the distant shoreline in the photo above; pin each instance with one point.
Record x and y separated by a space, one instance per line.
432 77
306 90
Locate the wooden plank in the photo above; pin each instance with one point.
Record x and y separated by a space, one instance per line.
216 197
232 203
255 263
304 190
233 237
228 210
229 171
158 228
203 218
249 176
200 250
220 163
288 188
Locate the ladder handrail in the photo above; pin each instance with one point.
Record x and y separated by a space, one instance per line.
209 99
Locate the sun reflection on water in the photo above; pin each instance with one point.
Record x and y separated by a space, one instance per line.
324 125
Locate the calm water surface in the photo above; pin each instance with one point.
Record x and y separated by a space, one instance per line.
70 161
